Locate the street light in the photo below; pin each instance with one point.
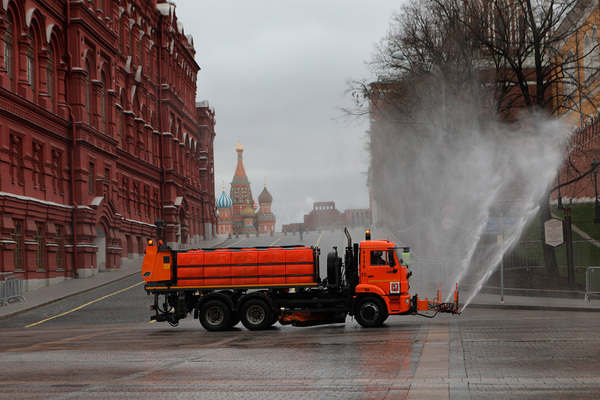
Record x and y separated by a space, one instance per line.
429 67
596 205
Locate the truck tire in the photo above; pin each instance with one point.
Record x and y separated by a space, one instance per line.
370 312
215 315
256 315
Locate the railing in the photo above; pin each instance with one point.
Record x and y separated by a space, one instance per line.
592 282
11 289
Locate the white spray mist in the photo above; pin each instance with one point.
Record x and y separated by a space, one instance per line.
446 176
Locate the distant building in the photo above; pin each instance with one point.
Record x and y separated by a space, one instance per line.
237 212
325 216
100 136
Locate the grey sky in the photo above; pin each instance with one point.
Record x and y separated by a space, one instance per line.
275 73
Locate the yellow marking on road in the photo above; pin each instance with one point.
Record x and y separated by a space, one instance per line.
241 240
319 239
276 241
84 305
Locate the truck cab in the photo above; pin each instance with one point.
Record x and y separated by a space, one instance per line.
384 272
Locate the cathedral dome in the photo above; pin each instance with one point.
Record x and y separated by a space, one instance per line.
265 196
248 212
224 201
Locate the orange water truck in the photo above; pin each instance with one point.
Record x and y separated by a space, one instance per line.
260 286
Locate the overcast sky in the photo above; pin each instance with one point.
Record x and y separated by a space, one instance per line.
275 72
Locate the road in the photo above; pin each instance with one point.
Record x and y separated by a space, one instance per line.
101 345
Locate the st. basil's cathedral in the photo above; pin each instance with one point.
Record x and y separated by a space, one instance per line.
236 213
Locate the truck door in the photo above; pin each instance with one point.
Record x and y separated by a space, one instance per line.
383 272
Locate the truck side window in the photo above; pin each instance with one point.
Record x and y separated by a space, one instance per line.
377 258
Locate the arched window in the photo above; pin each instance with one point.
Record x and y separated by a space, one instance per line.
103 102
569 76
8 51
30 60
39 253
120 33
122 124
587 56
50 77
60 248
88 90
17 237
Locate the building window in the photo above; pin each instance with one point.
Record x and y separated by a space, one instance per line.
60 247
17 236
103 103
50 77
87 83
30 66
39 239
91 177
16 160
120 33
8 50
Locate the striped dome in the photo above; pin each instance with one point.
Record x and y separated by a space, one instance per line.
224 201
265 196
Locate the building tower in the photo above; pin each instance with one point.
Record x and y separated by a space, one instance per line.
265 218
240 192
224 223
248 215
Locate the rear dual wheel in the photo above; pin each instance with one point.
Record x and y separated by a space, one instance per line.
256 315
215 315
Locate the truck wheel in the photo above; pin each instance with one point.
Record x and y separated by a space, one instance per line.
370 312
256 315
215 316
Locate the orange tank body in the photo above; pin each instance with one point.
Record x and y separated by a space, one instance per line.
235 267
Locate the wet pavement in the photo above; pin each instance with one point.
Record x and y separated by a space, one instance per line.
525 347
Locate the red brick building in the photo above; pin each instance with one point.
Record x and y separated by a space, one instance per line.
324 215
100 135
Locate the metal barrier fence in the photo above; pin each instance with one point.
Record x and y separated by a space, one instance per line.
592 282
11 289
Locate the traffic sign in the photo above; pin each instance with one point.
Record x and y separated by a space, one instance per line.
553 232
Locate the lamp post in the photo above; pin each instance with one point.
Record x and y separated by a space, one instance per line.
429 67
596 204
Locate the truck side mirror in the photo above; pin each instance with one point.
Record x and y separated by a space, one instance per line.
406 256
391 259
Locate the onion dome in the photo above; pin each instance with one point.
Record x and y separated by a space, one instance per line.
224 201
248 212
265 196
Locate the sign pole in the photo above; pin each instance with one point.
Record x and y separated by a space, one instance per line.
569 242
501 264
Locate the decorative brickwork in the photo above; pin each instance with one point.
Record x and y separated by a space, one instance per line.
100 135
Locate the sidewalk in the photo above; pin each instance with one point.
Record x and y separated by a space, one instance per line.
72 287
484 300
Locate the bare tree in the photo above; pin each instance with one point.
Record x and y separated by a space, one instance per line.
506 56
525 41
